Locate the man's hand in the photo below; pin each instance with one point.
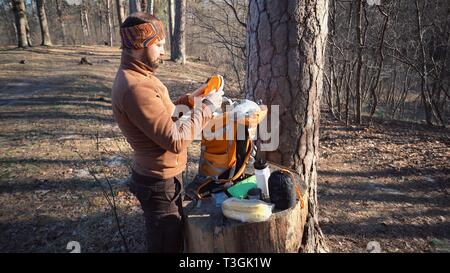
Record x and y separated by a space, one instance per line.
214 100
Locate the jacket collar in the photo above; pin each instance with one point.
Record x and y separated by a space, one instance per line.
129 62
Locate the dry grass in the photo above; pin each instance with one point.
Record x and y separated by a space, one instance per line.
52 111
386 183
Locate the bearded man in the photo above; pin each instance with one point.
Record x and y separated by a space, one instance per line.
148 119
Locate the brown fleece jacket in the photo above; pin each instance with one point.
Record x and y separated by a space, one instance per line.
143 110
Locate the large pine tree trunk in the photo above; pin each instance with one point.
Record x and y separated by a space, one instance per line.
178 53
120 11
45 33
21 22
286 42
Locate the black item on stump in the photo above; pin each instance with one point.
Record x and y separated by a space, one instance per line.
282 190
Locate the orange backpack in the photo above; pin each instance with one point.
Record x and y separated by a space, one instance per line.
223 161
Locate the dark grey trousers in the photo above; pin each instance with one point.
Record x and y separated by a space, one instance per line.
161 200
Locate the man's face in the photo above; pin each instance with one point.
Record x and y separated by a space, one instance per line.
154 53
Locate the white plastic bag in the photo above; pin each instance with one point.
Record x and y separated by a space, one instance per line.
245 210
245 107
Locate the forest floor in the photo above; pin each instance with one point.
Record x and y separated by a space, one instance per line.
388 182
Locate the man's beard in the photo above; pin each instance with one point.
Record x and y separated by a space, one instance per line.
153 64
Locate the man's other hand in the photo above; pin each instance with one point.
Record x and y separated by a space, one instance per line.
214 100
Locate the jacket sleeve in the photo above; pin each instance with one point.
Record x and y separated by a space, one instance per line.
145 109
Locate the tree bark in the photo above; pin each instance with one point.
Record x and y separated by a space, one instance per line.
144 5
430 111
34 15
332 79
135 6
347 96
27 28
286 42
151 6
110 26
171 19
61 21
16 33
45 34
373 88
359 9
83 25
21 22
101 19
84 18
12 33
120 11
178 53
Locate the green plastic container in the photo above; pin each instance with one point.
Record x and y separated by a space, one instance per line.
240 189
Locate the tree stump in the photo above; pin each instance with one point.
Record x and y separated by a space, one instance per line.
208 231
